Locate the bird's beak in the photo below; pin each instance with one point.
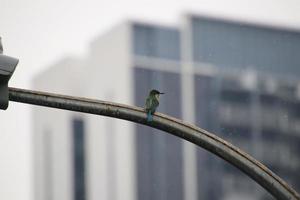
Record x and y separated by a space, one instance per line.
161 93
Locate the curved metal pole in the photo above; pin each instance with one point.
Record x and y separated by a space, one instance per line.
202 138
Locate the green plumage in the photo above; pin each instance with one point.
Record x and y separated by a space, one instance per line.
152 103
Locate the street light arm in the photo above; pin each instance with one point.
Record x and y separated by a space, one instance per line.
202 138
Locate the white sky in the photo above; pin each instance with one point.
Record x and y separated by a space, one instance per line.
40 32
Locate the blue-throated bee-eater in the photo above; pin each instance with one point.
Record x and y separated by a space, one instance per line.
152 103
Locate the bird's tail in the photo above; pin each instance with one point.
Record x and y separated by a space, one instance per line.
149 117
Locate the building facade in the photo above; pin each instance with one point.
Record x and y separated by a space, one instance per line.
236 79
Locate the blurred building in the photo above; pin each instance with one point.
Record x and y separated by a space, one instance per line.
236 79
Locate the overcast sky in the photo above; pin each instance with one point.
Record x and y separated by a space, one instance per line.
40 32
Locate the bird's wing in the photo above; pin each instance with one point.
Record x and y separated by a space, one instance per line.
148 104
151 104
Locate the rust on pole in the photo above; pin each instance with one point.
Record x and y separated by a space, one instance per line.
200 137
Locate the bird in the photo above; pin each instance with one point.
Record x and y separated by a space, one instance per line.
1 47
152 103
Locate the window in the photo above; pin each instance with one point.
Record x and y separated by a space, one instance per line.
78 159
159 155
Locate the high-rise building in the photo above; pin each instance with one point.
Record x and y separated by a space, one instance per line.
250 98
236 79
